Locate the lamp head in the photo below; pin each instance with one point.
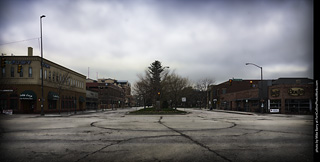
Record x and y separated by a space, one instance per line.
42 16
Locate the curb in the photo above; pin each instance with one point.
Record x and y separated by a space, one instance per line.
234 112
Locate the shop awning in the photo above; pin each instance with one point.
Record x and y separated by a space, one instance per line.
81 99
53 96
28 95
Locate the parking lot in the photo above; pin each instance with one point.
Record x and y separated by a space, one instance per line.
200 135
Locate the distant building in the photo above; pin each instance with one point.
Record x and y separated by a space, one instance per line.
92 100
111 93
284 95
20 85
126 86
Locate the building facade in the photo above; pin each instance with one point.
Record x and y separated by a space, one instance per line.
21 80
235 94
110 94
291 95
126 86
92 100
284 95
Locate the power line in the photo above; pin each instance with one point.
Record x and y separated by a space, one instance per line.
19 41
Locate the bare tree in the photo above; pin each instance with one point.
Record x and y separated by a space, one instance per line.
143 87
203 84
174 86
202 88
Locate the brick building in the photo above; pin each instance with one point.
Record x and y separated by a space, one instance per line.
110 94
92 100
284 95
235 94
126 86
291 95
20 85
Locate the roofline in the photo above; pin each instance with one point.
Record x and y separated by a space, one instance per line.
44 59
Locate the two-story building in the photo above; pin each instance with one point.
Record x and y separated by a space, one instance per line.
235 94
21 82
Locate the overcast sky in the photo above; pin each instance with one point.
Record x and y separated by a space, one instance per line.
196 38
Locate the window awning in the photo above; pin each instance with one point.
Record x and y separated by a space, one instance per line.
81 99
28 95
53 96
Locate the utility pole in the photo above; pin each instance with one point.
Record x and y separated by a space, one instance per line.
42 112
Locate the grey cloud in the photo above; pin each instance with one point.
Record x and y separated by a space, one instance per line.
197 38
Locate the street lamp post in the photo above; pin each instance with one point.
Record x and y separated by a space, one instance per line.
42 112
261 89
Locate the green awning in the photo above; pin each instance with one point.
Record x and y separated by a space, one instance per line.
81 99
53 96
28 95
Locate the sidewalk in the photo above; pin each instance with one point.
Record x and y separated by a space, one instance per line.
224 111
71 113
235 112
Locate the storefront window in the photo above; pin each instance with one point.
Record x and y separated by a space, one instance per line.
62 103
9 101
275 104
52 104
297 106
255 103
13 103
3 102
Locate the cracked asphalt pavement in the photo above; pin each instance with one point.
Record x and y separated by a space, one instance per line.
114 135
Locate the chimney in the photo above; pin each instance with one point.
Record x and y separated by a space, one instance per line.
30 51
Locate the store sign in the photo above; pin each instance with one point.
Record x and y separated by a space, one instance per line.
7 112
6 90
19 62
275 92
296 91
45 65
26 97
53 96
24 62
274 110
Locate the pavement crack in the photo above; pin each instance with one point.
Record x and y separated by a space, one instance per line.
193 140
91 153
122 141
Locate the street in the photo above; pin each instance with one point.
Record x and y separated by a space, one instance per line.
114 135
